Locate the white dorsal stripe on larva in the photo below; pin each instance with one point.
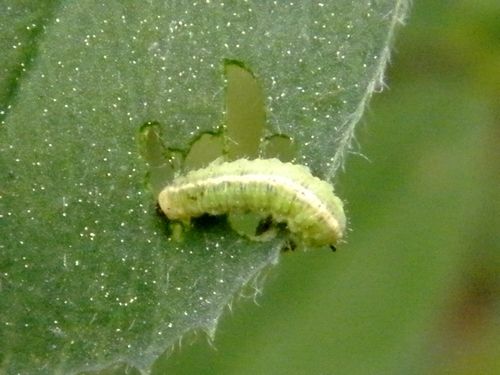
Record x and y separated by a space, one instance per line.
303 194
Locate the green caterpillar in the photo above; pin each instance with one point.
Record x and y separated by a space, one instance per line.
284 191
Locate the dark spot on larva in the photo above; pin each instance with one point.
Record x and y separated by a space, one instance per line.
333 248
264 226
192 197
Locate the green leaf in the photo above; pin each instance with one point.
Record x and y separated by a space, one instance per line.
88 274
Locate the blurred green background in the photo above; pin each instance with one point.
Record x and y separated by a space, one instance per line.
416 289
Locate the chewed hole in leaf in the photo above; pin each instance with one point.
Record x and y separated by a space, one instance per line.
242 135
205 149
163 163
279 146
245 111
